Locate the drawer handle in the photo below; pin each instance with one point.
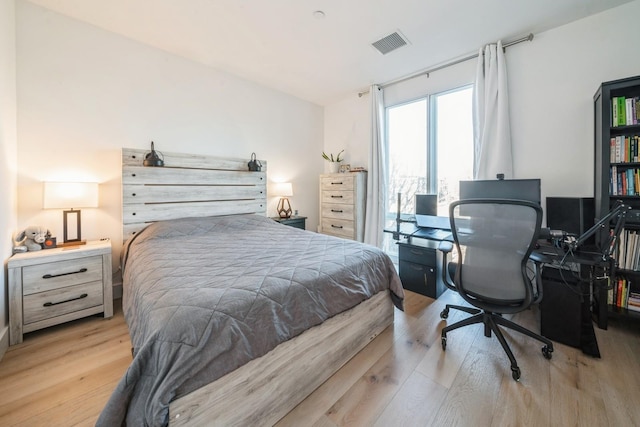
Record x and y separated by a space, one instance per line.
416 252
51 276
337 210
336 226
415 267
336 183
49 304
336 197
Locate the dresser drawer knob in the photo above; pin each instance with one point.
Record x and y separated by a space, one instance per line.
49 304
336 197
337 210
51 276
336 226
336 183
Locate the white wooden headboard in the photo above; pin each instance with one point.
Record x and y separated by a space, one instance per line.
188 185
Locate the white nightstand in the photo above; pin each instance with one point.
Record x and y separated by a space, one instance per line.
54 286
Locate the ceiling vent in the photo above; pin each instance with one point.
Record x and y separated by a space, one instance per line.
390 43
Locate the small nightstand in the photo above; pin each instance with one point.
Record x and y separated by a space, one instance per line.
54 286
294 221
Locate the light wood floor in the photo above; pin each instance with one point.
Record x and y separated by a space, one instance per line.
62 376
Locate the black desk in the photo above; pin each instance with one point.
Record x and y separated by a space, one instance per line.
419 260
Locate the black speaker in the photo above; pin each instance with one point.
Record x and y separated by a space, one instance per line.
575 215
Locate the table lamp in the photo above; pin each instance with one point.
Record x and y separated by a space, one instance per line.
284 190
70 195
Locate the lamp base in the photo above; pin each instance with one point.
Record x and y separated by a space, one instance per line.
284 208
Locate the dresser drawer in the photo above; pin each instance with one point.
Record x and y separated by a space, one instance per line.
339 197
334 183
338 227
45 305
54 275
337 211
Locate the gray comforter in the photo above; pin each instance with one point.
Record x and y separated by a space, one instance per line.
203 296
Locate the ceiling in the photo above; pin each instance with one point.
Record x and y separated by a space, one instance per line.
282 45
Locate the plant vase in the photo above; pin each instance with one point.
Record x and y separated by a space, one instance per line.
334 167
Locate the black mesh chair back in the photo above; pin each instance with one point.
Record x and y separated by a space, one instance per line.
494 238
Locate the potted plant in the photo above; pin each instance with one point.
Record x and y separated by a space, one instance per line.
334 162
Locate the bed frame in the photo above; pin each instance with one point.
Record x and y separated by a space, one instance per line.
265 389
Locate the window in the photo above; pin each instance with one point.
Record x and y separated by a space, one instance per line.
430 144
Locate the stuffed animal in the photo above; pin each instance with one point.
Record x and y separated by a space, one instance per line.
31 238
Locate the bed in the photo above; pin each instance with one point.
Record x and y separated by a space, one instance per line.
234 318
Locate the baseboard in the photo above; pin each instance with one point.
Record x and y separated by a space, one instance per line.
4 341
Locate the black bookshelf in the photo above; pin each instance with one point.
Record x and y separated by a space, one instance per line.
606 168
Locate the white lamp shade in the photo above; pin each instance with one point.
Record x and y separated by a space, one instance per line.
282 189
61 195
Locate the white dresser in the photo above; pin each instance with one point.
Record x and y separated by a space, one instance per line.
343 199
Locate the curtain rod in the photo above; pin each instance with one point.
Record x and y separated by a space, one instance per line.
445 65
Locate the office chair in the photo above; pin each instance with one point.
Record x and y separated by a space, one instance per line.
494 239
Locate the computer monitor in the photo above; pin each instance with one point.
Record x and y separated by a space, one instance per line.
427 213
518 189
426 204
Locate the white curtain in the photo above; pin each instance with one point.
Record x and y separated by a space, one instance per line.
377 176
491 128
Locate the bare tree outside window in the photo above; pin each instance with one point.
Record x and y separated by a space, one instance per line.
430 144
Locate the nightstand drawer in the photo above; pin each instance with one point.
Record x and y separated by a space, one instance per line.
54 275
45 305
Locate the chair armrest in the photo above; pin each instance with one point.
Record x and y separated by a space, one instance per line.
446 248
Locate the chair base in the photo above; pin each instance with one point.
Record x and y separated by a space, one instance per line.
491 321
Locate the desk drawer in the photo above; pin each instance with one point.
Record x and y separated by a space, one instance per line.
418 255
55 275
45 305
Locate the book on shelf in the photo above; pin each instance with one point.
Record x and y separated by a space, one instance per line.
629 110
625 111
619 293
622 114
633 303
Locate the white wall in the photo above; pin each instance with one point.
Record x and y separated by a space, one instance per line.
84 93
8 153
551 82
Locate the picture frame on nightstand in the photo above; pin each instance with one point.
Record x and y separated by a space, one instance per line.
344 168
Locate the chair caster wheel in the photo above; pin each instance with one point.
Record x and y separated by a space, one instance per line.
547 352
444 313
444 343
515 373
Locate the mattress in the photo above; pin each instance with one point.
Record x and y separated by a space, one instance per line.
203 296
